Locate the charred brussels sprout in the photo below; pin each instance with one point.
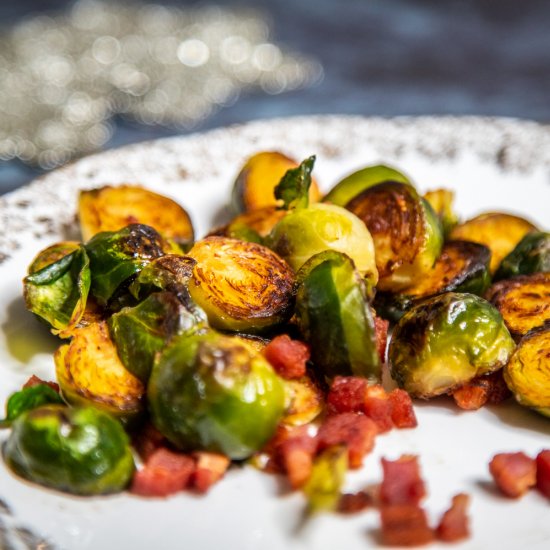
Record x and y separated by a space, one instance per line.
115 256
531 255
527 374
445 341
113 208
360 180
462 267
334 317
257 179
215 393
498 231
57 292
90 372
81 451
242 286
406 232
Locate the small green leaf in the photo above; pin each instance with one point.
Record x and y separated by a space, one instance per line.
27 399
293 189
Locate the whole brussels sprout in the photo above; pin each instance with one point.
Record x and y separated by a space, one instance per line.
82 451
215 393
445 341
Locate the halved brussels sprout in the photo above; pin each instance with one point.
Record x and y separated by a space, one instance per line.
304 401
406 232
112 208
215 393
82 451
358 181
445 341
531 255
304 232
90 372
334 317
115 256
498 231
527 374
523 302
242 286
255 184
58 291
462 267
441 200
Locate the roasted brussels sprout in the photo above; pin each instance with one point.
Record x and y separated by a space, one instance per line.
523 302
82 451
334 317
90 372
242 286
498 231
406 232
256 181
52 254
115 256
445 341
441 200
360 180
531 255
527 374
113 208
462 267
304 401
215 393
57 292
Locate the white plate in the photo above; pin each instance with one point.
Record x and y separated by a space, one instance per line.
490 163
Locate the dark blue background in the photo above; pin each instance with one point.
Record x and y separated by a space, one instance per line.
382 57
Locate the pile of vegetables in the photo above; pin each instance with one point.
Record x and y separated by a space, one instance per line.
267 338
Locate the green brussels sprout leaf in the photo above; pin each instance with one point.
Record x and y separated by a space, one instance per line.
293 189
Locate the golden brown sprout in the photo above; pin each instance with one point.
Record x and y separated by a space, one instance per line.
523 302
498 231
112 208
527 374
242 286
304 401
90 372
256 181
441 200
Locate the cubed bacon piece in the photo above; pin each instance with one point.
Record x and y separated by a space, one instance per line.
288 357
273 446
354 430
401 481
381 333
454 524
36 381
352 503
514 473
347 394
209 469
166 472
543 472
405 525
489 389
378 407
296 454
147 441
402 412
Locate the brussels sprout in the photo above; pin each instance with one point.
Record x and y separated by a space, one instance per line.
58 291
462 267
445 341
355 183
441 200
113 208
52 254
531 255
115 256
304 232
523 302
255 184
215 393
304 401
527 374
242 286
406 232
334 317
81 451
498 231
90 372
